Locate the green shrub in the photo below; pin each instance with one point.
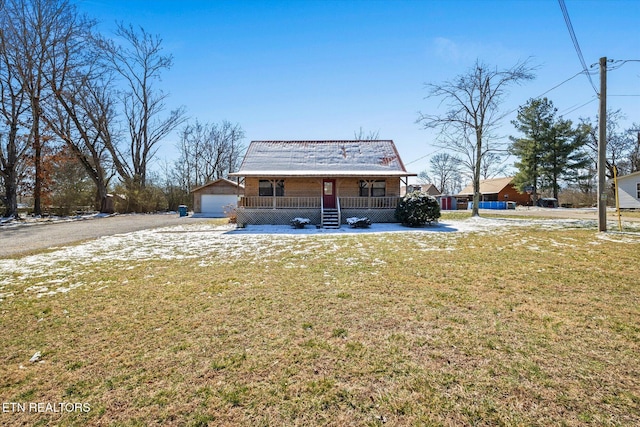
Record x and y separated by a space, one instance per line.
417 209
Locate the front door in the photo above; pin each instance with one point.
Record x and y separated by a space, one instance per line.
329 193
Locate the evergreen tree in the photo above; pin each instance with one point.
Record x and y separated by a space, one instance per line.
551 149
563 157
534 120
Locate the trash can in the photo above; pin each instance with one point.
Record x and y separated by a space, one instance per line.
182 209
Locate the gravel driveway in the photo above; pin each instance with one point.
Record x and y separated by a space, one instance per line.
19 239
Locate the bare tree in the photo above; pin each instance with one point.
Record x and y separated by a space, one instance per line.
80 109
37 29
82 117
473 102
14 107
32 26
621 144
446 170
492 165
635 153
139 63
13 143
208 152
361 135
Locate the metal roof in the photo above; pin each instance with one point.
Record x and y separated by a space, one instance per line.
378 158
488 186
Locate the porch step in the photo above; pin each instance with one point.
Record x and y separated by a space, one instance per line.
330 218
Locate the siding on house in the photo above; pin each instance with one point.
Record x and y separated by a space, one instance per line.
628 191
312 187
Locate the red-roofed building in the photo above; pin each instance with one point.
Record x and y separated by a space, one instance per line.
495 190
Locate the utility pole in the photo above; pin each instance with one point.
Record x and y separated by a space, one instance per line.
602 148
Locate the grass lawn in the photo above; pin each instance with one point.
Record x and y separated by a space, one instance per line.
534 324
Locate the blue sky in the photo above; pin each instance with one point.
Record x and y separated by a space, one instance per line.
311 69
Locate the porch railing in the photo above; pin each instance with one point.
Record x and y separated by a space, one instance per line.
255 202
369 202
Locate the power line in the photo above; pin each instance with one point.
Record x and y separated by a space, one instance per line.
620 62
546 92
574 108
576 45
426 155
560 84
513 111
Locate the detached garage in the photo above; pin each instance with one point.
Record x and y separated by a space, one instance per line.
213 198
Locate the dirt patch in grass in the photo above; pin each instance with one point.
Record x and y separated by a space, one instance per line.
510 326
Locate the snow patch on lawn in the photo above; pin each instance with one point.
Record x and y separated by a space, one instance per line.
64 269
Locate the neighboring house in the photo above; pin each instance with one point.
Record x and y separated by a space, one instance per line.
495 190
324 181
215 197
629 191
430 189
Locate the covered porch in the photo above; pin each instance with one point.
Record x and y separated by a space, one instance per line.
259 202
281 210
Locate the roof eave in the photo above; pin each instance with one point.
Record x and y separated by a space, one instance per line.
320 174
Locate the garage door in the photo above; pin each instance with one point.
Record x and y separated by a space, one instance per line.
214 204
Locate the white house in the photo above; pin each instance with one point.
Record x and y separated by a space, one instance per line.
629 191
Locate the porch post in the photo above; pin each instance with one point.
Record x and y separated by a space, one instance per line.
273 192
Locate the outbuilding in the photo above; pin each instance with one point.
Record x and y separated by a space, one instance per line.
495 190
216 197
629 191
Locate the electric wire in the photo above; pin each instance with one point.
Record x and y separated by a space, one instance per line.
576 45
510 112
617 64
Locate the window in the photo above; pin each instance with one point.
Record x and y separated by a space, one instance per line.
379 189
265 188
376 188
364 189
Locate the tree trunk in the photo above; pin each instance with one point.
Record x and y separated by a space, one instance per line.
37 160
101 199
476 175
11 194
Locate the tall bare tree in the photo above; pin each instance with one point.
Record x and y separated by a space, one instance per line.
208 152
82 117
36 28
78 108
14 108
473 113
81 110
139 63
445 168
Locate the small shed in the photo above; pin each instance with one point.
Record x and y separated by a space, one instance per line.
448 202
213 198
629 191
